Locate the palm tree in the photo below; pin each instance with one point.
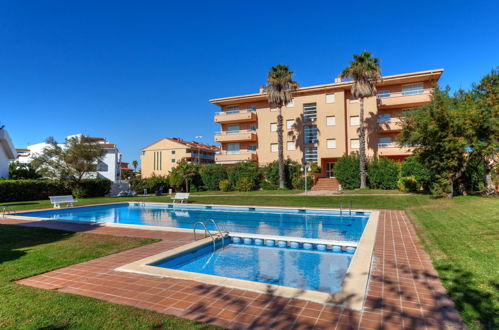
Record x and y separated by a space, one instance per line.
135 164
280 86
365 71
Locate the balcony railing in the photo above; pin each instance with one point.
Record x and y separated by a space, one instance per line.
236 152
236 135
230 157
405 93
235 116
237 131
405 98
387 145
232 112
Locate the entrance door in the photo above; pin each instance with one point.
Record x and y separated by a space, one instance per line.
330 170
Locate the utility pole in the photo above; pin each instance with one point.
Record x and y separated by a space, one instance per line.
199 137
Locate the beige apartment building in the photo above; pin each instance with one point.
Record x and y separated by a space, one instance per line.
321 124
161 157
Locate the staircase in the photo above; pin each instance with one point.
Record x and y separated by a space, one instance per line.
326 184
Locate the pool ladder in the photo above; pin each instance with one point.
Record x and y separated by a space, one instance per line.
341 208
207 232
7 210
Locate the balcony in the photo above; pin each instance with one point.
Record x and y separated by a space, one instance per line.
238 116
389 126
411 99
236 136
233 157
393 149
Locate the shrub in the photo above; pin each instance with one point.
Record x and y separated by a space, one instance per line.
245 184
247 170
408 184
291 171
299 182
29 190
440 188
19 171
347 171
265 185
412 167
382 173
151 184
211 175
175 180
225 185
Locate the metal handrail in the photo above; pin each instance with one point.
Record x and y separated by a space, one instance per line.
406 93
217 228
7 210
206 231
236 131
232 112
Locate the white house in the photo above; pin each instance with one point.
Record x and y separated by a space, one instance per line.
108 167
7 153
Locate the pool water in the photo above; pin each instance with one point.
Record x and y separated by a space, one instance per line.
301 269
316 224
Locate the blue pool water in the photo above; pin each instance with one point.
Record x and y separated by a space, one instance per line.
320 224
310 270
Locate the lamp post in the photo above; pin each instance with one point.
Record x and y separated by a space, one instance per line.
198 137
305 168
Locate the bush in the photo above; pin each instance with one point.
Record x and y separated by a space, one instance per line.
291 171
29 190
412 167
299 182
265 185
225 185
211 175
347 171
151 184
245 184
19 171
247 170
382 173
408 184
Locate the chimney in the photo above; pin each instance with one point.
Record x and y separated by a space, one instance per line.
337 79
262 89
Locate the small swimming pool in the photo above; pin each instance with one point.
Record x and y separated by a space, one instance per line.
291 222
322 271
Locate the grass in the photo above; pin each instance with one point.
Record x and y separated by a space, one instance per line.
26 252
461 235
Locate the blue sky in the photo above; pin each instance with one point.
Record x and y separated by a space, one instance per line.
137 71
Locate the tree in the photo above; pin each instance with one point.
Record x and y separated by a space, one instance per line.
482 105
438 132
280 86
19 171
73 160
365 71
135 164
186 171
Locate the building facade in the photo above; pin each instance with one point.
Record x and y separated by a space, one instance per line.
108 166
321 124
7 153
161 157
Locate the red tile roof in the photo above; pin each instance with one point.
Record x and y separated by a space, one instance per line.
196 145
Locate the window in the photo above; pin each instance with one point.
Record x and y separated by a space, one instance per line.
310 134
273 127
330 98
173 160
385 141
353 101
384 117
252 127
310 111
331 121
173 152
291 104
290 124
412 89
252 108
408 112
311 155
354 121
331 143
233 109
273 147
173 167
382 94
143 153
232 129
233 148
252 147
291 145
354 143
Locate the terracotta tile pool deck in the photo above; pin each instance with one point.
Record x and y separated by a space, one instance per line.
404 290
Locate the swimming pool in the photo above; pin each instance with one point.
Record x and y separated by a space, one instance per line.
322 271
301 223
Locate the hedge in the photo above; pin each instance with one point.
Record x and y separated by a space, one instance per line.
29 190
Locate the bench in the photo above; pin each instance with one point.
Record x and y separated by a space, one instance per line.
180 197
58 200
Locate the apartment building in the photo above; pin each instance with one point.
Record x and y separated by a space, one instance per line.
161 157
108 166
7 153
321 124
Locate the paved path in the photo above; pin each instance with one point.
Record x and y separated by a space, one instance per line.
404 290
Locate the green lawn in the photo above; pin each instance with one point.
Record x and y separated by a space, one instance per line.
461 236
26 252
